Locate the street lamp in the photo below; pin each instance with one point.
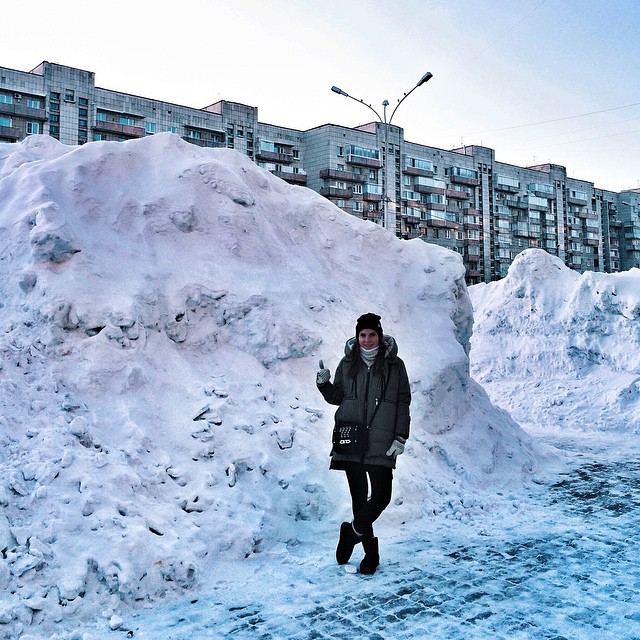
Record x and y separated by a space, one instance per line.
387 124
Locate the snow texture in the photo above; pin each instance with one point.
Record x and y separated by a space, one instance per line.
162 314
560 349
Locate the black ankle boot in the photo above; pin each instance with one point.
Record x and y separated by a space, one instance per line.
371 558
348 540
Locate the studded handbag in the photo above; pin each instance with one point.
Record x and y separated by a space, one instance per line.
349 438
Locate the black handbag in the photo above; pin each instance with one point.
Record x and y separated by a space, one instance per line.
349 439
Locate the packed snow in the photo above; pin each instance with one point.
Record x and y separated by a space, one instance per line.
560 349
164 447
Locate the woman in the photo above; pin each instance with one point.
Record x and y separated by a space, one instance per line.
371 387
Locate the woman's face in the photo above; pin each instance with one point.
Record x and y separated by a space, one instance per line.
368 339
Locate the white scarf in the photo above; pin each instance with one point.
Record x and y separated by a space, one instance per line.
369 355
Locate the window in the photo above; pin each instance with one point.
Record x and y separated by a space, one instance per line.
506 181
357 206
542 188
125 120
83 102
54 106
240 132
69 95
172 129
578 195
363 152
4 121
150 127
340 152
33 103
54 117
464 173
5 98
83 113
101 116
416 163
82 123
54 96
357 189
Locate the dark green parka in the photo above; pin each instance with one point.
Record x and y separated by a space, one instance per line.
384 396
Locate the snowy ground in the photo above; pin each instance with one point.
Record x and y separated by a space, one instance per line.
557 562
164 448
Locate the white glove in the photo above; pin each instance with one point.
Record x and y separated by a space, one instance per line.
323 375
396 448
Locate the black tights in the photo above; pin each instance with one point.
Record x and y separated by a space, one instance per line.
367 508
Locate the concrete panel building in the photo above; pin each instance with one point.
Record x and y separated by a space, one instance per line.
463 199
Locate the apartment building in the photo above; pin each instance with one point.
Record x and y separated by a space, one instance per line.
462 199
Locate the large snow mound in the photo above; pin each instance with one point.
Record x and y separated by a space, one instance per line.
557 348
163 310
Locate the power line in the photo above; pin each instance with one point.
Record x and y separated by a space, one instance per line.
534 124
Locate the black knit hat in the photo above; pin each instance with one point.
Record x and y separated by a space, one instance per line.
369 321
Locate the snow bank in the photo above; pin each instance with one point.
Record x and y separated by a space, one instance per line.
163 310
558 349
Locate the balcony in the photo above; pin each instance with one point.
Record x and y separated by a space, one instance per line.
336 174
440 221
203 142
372 197
410 218
10 133
428 188
454 193
21 110
509 188
517 204
126 130
415 171
362 161
336 192
291 178
472 182
591 242
274 156
536 203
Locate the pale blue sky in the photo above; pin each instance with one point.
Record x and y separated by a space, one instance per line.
500 67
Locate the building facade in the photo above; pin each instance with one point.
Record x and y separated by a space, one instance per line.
462 199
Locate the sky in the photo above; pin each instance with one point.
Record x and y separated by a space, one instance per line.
163 443
537 80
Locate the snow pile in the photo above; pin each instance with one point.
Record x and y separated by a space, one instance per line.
558 349
163 310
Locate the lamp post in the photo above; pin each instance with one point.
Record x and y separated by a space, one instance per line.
386 124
